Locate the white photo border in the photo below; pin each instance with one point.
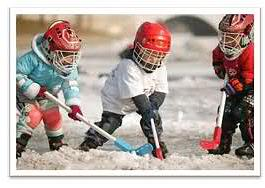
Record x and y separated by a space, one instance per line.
133 11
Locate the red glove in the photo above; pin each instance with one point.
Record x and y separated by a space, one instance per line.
75 109
41 92
234 86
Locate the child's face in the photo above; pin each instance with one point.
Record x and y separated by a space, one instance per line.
148 59
152 59
230 43
65 61
68 58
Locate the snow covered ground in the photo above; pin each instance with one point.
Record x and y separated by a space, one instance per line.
188 115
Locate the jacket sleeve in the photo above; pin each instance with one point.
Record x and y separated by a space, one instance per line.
247 65
161 81
24 66
218 62
157 99
142 103
71 91
217 56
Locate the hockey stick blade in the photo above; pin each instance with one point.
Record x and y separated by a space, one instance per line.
208 144
159 154
212 144
123 145
143 150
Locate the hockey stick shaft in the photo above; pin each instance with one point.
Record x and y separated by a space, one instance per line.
222 105
212 144
221 110
158 149
79 116
119 142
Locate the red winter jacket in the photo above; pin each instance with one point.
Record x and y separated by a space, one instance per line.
241 68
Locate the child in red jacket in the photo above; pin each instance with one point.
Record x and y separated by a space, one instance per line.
234 57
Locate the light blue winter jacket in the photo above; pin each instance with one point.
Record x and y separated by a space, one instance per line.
33 71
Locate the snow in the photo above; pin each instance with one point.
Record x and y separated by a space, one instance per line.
188 115
71 159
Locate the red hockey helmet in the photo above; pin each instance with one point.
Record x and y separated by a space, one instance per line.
235 33
62 46
152 43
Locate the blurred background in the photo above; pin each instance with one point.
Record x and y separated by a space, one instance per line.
194 36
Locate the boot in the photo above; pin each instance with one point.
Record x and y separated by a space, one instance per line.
246 150
87 144
109 123
22 142
224 147
55 143
162 146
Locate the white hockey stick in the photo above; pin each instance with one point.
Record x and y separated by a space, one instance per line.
120 143
157 149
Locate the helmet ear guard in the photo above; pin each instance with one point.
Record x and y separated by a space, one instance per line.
248 38
244 41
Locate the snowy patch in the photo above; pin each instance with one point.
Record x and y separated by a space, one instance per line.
69 159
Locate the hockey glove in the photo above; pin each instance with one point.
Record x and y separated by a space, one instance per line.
233 87
146 109
151 114
42 92
75 109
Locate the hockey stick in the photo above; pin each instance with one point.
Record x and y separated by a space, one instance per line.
213 144
120 143
157 149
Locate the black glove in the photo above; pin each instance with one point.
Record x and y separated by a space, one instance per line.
147 116
146 109
146 124
151 114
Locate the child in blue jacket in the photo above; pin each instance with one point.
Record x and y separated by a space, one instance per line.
50 66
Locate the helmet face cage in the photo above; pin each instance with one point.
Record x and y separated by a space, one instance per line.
65 62
230 44
61 47
148 59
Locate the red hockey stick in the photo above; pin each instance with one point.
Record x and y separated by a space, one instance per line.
158 150
213 144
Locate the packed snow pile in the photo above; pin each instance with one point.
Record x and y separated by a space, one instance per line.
70 159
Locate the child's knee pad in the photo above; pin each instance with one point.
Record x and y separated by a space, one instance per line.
33 116
109 123
52 119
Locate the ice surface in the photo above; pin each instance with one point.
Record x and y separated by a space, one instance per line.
188 115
